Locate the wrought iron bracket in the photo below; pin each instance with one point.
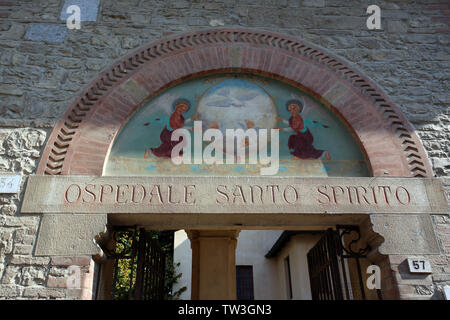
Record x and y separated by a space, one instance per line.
348 249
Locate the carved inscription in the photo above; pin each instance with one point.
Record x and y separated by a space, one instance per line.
257 194
232 195
363 195
130 194
237 194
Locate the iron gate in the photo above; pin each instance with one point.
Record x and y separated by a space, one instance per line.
139 267
327 265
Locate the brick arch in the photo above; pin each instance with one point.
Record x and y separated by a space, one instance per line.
80 142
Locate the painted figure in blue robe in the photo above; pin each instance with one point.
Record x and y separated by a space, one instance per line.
300 143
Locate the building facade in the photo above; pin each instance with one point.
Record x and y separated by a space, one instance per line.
76 104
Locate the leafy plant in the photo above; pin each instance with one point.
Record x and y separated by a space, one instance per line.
125 278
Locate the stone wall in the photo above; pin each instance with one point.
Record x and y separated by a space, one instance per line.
43 66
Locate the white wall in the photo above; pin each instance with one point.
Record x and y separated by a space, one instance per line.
252 247
297 249
268 274
183 254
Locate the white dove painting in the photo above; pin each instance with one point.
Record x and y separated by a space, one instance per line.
234 104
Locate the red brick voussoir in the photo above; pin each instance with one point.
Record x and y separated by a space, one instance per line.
96 116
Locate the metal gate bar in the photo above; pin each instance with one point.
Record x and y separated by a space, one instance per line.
147 264
324 269
327 267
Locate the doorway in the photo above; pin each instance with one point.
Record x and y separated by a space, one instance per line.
326 264
276 264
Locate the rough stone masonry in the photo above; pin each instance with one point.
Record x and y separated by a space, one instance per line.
43 66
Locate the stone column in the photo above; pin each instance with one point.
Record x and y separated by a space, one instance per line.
213 264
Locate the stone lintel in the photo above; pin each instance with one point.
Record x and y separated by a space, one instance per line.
233 195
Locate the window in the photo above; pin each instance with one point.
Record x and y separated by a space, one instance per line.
244 282
287 272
